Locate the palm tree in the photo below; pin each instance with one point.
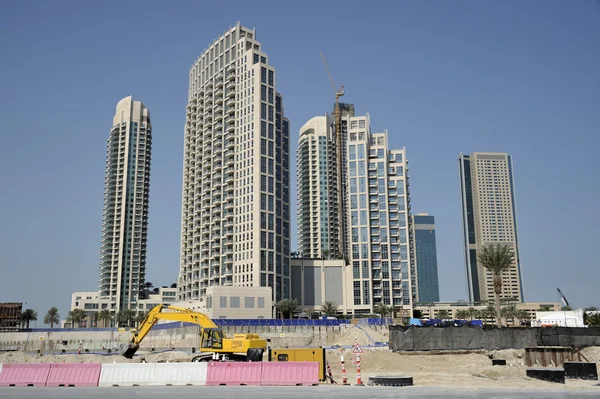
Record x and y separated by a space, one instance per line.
27 316
462 314
52 317
443 314
522 315
77 316
93 317
488 313
382 310
472 313
174 285
140 317
148 285
105 316
497 259
329 308
545 308
126 317
566 307
287 306
417 314
508 312
325 254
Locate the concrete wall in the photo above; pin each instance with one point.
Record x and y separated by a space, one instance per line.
182 338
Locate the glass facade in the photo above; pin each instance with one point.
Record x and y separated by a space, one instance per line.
426 257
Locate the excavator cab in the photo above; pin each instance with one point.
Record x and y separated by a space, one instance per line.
212 338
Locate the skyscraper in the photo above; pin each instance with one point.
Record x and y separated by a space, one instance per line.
235 206
317 190
379 207
489 217
125 215
428 290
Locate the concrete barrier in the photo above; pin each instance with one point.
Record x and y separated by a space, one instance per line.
290 373
179 374
74 375
233 373
23 375
126 374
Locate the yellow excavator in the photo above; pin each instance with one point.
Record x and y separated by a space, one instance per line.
214 345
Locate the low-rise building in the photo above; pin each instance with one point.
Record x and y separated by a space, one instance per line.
315 281
233 302
431 311
92 302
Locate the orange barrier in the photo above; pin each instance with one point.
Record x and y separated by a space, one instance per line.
234 373
290 373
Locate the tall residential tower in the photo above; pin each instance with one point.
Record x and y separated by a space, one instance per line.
236 204
317 190
489 217
125 216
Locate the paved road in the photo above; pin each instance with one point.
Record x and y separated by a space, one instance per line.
350 392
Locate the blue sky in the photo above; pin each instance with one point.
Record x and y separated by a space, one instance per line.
442 77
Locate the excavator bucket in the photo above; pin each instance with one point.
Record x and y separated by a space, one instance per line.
128 350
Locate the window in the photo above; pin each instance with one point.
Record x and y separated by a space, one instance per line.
362 184
352 152
361 151
361 168
353 202
261 302
365 269
356 269
364 235
354 218
353 187
363 200
234 302
223 301
352 169
249 302
363 217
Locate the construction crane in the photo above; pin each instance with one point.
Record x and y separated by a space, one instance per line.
563 298
337 125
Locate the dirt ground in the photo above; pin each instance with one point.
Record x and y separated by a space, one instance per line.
473 370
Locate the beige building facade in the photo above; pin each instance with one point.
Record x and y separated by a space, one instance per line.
489 218
235 228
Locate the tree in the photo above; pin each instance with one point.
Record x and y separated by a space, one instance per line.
287 306
52 317
591 309
148 285
566 307
443 314
93 318
545 308
382 310
140 317
105 316
472 313
522 315
126 317
329 308
497 259
488 313
508 312
77 316
174 285
417 314
593 320
462 314
325 254
27 316
155 290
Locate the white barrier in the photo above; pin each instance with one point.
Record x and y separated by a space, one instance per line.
126 374
179 374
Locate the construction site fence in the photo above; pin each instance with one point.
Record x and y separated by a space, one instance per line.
240 323
413 338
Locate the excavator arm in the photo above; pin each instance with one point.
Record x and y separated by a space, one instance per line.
156 314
